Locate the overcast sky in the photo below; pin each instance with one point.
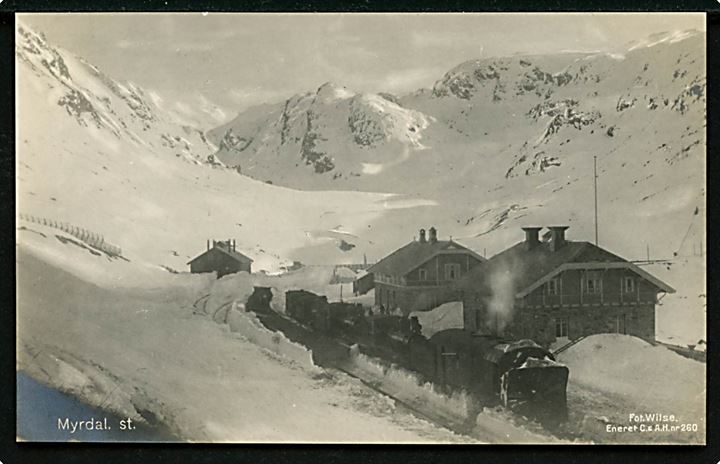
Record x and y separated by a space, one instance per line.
237 60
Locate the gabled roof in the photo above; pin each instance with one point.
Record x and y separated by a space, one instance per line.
524 270
236 255
600 265
414 254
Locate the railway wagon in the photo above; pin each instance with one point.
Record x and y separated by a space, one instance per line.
302 305
316 312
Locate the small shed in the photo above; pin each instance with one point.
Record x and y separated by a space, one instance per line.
222 257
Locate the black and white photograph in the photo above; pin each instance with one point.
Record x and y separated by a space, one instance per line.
361 228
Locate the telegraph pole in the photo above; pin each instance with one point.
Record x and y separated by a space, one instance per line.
596 209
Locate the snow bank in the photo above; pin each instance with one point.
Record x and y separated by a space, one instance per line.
367 299
249 326
681 316
649 376
238 287
502 426
226 305
489 425
445 316
408 386
345 273
228 290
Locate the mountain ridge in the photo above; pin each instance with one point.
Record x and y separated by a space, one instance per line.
550 90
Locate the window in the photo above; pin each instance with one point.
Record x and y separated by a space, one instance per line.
561 327
593 283
553 287
452 271
422 274
628 284
621 324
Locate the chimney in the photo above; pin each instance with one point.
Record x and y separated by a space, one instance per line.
531 237
433 235
208 244
557 237
422 236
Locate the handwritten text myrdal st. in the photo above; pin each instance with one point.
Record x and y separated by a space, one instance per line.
91 424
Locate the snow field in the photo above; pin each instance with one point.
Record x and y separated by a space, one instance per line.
142 352
624 365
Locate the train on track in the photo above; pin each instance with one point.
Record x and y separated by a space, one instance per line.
519 374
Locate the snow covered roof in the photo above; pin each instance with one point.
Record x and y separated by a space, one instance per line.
414 254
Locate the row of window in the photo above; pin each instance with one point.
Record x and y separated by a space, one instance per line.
452 272
591 284
562 323
388 298
390 279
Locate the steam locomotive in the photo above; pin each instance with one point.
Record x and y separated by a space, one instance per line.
520 374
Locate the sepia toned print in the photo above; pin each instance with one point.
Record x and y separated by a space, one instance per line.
361 228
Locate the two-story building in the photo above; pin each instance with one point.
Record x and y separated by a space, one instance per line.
419 276
558 290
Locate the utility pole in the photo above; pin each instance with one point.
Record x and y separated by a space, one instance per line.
648 251
596 201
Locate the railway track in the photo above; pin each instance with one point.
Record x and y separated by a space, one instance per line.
333 354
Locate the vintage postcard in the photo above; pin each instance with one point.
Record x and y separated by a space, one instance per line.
361 228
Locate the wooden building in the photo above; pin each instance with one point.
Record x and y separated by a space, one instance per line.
221 257
418 276
558 290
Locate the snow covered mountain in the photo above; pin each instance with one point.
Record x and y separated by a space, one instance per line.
151 185
122 110
537 111
331 131
498 141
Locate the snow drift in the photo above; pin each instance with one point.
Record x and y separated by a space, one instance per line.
627 366
445 316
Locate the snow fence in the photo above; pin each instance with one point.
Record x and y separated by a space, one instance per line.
89 237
